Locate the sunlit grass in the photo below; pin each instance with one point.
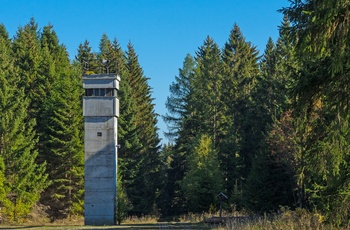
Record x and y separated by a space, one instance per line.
299 219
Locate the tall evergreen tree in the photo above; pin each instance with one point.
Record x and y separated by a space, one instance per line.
27 54
128 163
240 60
63 149
104 56
195 109
24 178
147 174
87 59
203 181
177 119
208 80
320 31
7 92
178 101
328 166
270 99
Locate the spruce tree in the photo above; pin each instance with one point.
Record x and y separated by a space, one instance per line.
319 30
203 180
27 54
6 92
328 166
177 120
24 179
177 102
208 80
240 60
269 100
142 193
87 59
63 149
128 140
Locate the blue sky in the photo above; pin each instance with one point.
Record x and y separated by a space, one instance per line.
162 31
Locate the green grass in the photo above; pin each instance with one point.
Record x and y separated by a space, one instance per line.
163 225
299 219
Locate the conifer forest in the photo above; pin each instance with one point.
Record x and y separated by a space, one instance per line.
268 129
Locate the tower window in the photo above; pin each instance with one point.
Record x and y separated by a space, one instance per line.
102 92
108 92
89 92
99 134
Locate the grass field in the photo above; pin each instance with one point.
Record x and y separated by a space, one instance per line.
163 225
299 219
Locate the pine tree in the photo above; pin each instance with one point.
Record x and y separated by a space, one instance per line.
104 58
142 193
63 149
27 54
55 64
270 99
128 140
177 120
203 181
177 102
122 201
208 80
6 69
87 59
319 30
240 60
24 179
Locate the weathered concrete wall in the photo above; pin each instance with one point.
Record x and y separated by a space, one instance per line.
100 81
100 142
100 170
101 106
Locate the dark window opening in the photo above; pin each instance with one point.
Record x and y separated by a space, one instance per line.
99 134
109 92
101 92
89 92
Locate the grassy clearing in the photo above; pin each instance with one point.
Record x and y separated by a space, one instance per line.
162 225
286 219
299 219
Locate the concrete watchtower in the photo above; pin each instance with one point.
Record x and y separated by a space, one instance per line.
101 111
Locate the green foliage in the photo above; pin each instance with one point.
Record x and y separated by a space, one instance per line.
207 83
242 137
23 179
27 56
87 59
178 100
269 185
147 161
203 180
122 207
320 31
64 148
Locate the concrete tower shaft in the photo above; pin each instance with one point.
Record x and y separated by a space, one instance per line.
101 111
